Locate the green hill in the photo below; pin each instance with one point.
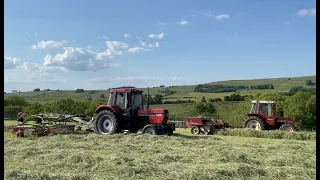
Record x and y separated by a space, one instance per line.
181 92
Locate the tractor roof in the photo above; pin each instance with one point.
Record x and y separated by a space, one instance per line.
268 102
125 89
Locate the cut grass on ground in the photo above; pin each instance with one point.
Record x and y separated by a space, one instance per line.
158 157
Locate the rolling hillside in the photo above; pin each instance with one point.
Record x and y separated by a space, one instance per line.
182 92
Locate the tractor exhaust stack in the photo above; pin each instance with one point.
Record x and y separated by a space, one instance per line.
148 99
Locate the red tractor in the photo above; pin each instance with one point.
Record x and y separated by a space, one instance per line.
124 113
262 116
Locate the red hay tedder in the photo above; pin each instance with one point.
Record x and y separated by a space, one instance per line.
201 125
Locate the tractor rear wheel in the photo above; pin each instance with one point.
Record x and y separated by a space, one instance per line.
105 123
287 127
169 131
195 130
254 123
150 129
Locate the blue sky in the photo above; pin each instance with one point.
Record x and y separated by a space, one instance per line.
101 44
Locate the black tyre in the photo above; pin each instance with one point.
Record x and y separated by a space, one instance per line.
212 130
254 123
150 129
169 131
105 123
287 127
195 130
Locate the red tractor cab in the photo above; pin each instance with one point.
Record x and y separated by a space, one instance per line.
262 116
124 112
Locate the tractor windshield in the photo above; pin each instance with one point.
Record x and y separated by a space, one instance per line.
136 99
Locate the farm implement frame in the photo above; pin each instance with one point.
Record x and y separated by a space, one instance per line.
44 124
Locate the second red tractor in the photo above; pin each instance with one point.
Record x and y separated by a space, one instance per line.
262 116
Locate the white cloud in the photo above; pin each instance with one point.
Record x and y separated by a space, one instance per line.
307 12
223 16
113 45
183 22
126 35
49 44
209 14
36 33
137 37
136 50
18 71
80 59
156 36
144 44
11 62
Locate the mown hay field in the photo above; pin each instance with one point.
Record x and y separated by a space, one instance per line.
136 156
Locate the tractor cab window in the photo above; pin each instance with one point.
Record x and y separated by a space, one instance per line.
121 100
253 108
266 109
110 99
136 99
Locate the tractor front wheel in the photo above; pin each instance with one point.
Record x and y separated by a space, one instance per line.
254 123
195 130
150 129
287 127
105 123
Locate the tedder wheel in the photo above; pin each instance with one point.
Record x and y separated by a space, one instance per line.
150 129
254 123
195 130
105 123
287 127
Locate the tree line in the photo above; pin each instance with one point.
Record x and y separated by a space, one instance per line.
213 88
15 104
294 90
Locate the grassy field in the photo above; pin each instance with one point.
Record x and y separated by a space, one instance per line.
182 92
136 156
